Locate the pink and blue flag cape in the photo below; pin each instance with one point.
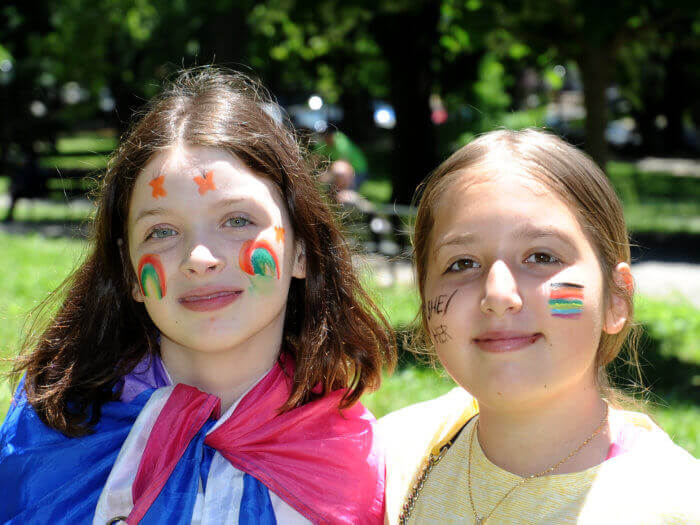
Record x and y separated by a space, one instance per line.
323 463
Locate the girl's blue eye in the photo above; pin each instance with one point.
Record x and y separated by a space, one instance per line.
542 258
462 264
237 222
161 233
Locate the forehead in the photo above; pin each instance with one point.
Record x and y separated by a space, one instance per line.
506 199
179 167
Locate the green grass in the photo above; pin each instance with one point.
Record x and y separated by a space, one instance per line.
657 202
77 162
82 142
30 211
33 266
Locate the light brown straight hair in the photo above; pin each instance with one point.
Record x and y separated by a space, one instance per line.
574 177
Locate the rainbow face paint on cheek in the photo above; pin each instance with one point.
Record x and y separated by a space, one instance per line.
151 271
566 300
259 258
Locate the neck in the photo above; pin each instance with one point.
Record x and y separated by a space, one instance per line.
227 373
529 441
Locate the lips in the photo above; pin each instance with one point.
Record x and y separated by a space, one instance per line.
505 341
207 299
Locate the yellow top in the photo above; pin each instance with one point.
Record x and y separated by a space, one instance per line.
652 483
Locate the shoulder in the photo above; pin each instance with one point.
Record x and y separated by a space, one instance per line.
427 420
28 446
410 434
653 478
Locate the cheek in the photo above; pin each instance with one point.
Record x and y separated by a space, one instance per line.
151 276
260 259
449 312
566 300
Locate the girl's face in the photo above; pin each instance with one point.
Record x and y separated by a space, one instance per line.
513 291
212 247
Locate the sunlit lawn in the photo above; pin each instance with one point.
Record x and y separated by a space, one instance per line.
35 265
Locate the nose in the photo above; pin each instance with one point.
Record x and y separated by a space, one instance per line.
201 261
500 291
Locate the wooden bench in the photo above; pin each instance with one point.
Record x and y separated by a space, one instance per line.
34 180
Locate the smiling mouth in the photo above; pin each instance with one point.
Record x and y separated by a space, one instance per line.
208 302
505 342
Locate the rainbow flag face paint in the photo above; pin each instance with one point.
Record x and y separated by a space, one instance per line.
151 270
566 300
259 258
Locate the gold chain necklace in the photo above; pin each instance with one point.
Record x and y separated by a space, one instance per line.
482 520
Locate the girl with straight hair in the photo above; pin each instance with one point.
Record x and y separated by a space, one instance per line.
523 266
207 358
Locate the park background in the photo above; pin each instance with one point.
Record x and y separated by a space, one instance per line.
407 82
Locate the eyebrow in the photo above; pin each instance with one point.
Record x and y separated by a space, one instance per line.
457 239
150 212
529 232
525 231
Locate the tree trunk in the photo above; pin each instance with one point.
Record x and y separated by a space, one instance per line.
407 40
596 63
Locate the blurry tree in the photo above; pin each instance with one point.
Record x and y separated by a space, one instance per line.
128 46
25 100
401 51
660 77
591 33
115 48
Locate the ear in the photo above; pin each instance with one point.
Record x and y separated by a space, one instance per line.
618 312
299 266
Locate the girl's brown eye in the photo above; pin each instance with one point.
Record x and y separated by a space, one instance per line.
462 264
542 258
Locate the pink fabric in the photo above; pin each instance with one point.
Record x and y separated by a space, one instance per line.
186 410
324 463
625 439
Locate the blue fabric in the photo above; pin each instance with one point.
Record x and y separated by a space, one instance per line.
175 503
206 465
256 506
46 477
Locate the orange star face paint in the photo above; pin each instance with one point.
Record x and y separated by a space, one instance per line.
157 185
151 270
279 234
205 182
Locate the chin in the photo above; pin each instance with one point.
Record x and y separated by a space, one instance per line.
207 341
